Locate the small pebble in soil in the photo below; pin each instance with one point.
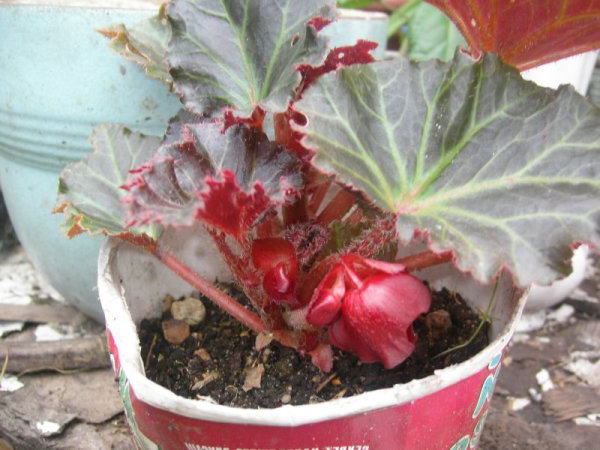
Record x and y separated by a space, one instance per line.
191 310
175 331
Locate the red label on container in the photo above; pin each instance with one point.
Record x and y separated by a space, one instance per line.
449 419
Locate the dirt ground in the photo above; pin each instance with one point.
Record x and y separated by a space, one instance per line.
548 394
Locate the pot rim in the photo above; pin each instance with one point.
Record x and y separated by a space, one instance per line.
138 5
360 14
120 324
152 5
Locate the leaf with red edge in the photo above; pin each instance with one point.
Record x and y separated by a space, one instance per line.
242 53
526 33
227 180
359 53
90 190
144 43
497 170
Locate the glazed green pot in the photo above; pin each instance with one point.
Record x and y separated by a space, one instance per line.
58 80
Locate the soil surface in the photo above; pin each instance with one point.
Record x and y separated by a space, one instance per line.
219 360
522 415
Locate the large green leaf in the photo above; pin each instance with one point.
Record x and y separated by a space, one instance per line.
90 190
145 43
432 35
503 172
242 53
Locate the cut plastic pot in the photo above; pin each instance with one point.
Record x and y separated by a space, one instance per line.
446 410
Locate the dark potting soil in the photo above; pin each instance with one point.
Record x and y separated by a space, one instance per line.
219 360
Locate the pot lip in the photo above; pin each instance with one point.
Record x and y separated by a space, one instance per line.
152 5
123 330
348 13
137 5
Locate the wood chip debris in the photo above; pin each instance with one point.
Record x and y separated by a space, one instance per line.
570 402
207 378
203 354
262 340
81 353
325 382
253 377
341 393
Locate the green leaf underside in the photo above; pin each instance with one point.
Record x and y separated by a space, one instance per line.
432 35
503 172
171 190
402 15
219 60
145 43
91 188
356 4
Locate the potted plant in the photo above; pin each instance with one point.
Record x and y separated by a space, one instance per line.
311 174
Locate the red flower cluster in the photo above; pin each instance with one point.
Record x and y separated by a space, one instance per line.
369 307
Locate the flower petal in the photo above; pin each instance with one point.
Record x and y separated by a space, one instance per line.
326 302
381 314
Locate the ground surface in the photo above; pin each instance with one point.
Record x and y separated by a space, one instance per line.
546 397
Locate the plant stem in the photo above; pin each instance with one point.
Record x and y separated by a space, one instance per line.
4 366
425 259
485 318
208 289
337 208
204 286
318 195
213 293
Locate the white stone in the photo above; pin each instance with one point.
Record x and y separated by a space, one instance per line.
10 383
47 428
190 310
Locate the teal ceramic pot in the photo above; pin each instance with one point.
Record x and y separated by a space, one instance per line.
58 80
355 24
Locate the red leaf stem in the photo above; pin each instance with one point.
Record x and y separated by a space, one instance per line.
222 300
250 283
206 288
425 259
318 195
337 208
296 212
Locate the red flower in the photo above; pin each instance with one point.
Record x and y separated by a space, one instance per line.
275 258
370 306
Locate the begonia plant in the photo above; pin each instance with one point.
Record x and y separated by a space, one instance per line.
311 167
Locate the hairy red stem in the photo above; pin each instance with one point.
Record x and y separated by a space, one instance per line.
296 212
337 208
